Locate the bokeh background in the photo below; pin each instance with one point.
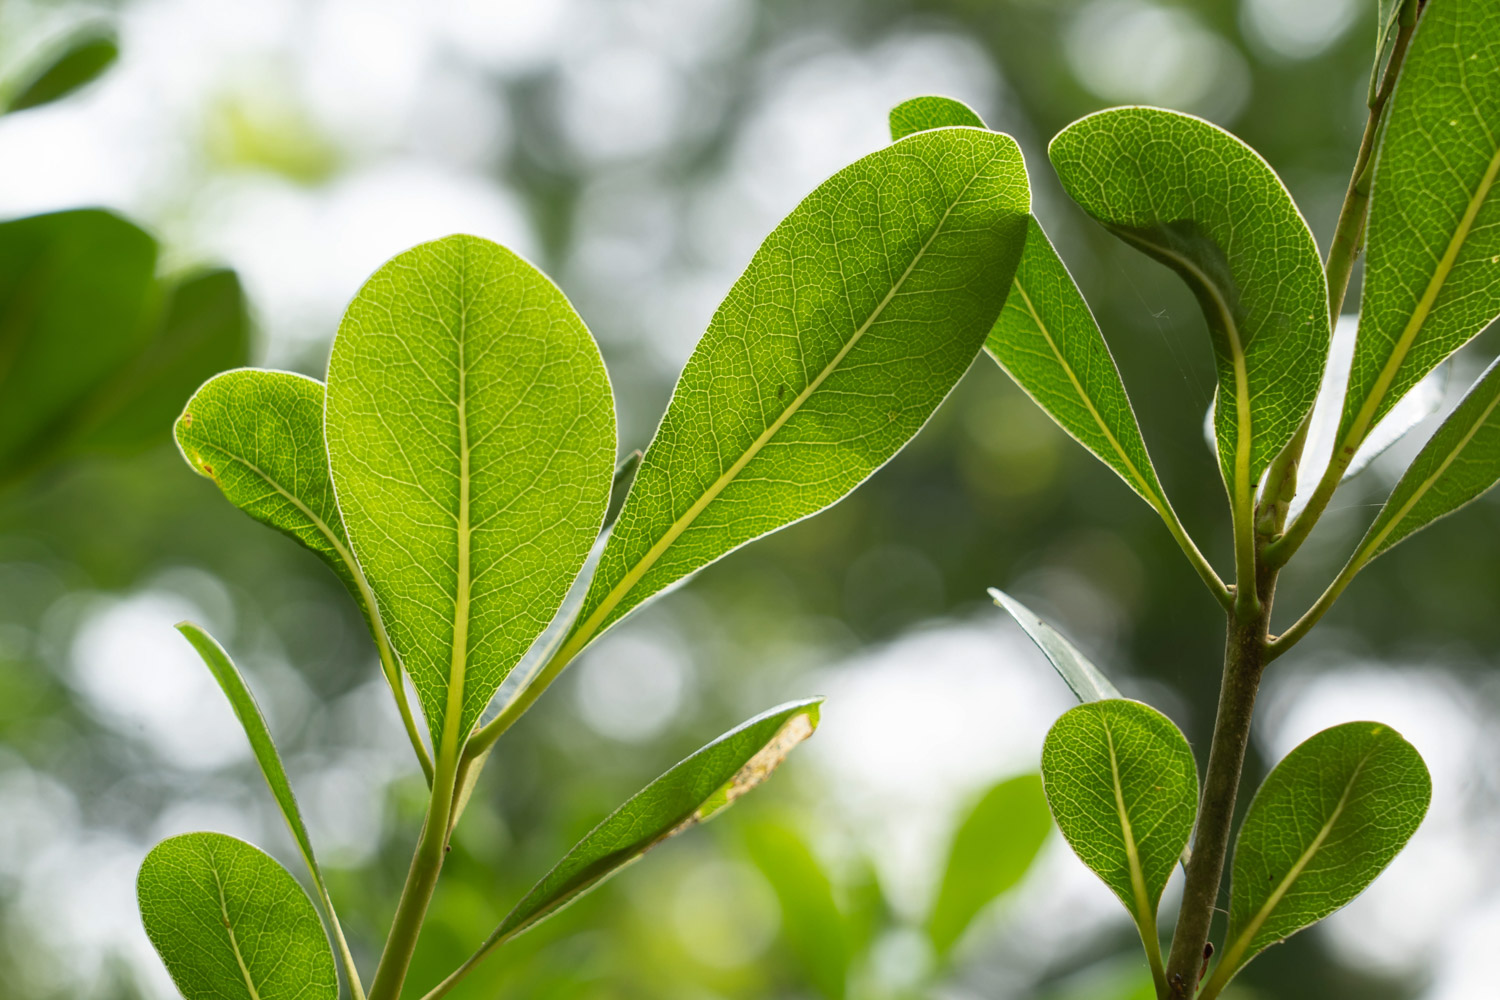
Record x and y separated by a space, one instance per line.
638 150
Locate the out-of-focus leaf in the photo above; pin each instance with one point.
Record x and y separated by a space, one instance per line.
1122 784
1325 823
76 292
1431 282
812 925
1199 200
231 924
698 788
1085 679
855 318
931 111
1458 464
259 734
205 329
994 847
79 61
471 437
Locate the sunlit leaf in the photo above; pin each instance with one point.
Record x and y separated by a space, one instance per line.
1199 200
1325 823
698 788
855 318
931 111
231 924
79 61
266 755
995 845
812 925
1431 276
1122 785
471 439
1086 680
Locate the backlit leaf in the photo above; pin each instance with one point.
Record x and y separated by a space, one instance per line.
1086 680
79 61
230 924
1325 823
471 439
855 318
928 112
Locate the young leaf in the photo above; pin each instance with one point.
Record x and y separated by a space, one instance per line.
471 436
698 788
1199 200
928 112
1431 282
855 318
1460 462
75 290
78 62
259 436
812 924
1122 785
259 734
1325 823
230 924
1085 679
994 847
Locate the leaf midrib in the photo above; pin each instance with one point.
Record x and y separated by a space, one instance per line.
234 944
1144 916
458 663
1365 418
635 573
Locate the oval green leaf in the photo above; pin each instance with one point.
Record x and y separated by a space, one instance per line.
1199 200
698 788
231 924
78 62
994 847
1328 820
1432 281
271 768
1122 785
855 318
1082 677
258 435
471 437
931 111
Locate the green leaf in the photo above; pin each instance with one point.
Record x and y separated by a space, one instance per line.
812 925
1431 276
205 329
264 748
76 295
79 61
1199 200
698 788
1325 823
230 924
922 113
1085 679
471 437
1122 784
994 847
1459 463
855 318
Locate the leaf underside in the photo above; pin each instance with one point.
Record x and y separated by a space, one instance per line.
1086 680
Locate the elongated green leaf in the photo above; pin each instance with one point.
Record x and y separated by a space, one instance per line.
698 788
76 293
1086 680
1123 787
1199 200
854 319
230 924
813 926
1431 280
931 111
264 748
79 61
471 437
205 329
1458 464
1325 823
994 847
